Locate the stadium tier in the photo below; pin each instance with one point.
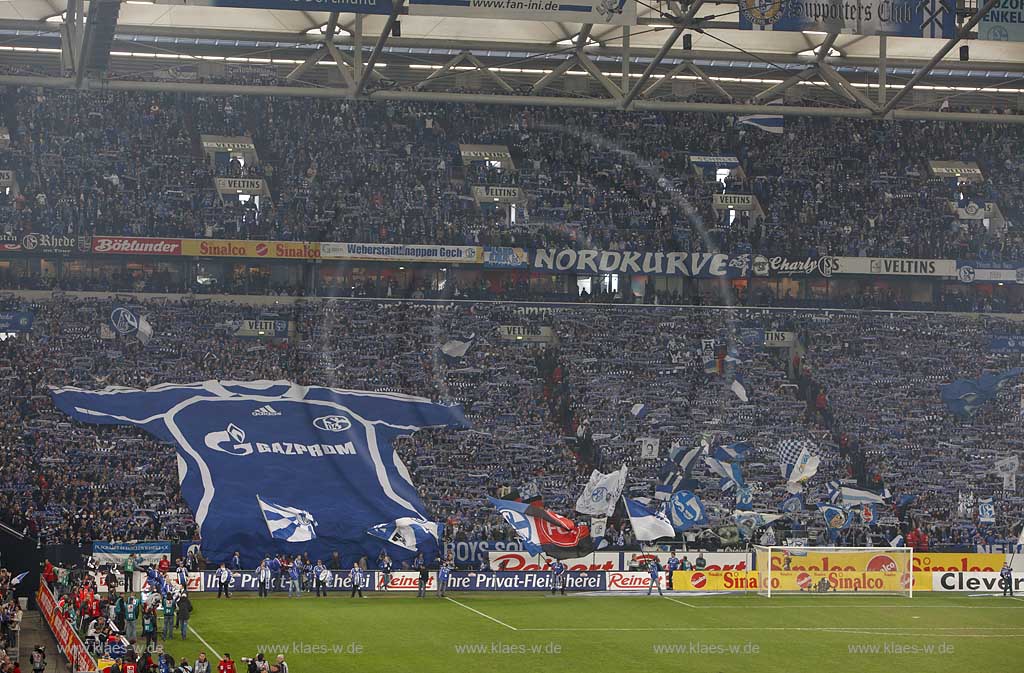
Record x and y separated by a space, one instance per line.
606 336
137 164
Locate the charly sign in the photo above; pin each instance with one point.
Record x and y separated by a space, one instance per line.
783 266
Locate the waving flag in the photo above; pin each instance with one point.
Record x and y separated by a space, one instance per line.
744 498
867 513
836 518
685 511
748 522
859 496
766 122
639 410
896 541
647 524
544 532
127 322
288 523
730 473
676 474
321 459
792 504
18 578
409 533
455 349
735 452
835 491
601 493
802 469
739 387
964 397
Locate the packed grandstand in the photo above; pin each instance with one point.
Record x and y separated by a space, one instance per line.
565 348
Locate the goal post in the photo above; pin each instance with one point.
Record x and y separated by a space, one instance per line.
834 570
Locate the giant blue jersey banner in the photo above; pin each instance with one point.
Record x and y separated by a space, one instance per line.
271 467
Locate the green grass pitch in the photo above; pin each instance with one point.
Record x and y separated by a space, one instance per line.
518 632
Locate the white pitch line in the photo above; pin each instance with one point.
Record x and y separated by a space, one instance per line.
496 621
676 600
817 629
1017 599
203 641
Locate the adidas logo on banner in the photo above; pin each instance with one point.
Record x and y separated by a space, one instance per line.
266 410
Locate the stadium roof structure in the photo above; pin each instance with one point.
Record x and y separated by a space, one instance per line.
674 57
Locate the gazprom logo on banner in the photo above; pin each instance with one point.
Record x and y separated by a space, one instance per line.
232 441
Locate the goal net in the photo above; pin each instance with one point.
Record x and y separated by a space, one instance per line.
834 570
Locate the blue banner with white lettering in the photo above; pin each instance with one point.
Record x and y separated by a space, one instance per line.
16 321
902 18
1006 344
682 264
272 467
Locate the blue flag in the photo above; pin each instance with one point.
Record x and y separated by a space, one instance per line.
836 518
409 533
735 452
744 499
676 474
792 504
685 510
321 459
964 397
730 473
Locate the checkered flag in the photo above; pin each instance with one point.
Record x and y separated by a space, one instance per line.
790 449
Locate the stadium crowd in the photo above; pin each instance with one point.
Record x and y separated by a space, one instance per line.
862 386
132 163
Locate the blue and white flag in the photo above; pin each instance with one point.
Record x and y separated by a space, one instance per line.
455 349
127 322
730 473
835 492
601 493
867 513
896 541
836 518
744 498
677 473
647 524
18 578
729 453
964 397
290 524
748 522
803 467
859 496
792 504
685 511
766 122
986 510
309 451
739 387
639 410
409 533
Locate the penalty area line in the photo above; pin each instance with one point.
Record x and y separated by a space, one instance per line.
203 641
496 621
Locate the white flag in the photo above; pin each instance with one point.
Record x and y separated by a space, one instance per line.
601 493
287 523
145 331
